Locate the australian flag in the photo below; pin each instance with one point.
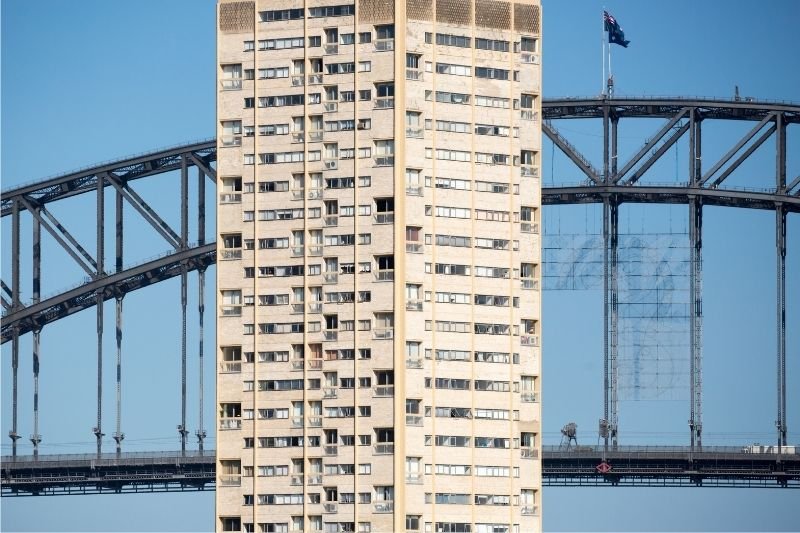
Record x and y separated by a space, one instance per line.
615 33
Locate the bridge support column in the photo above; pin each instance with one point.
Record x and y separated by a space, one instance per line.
610 318
99 301
15 282
118 434
780 224
36 438
695 322
201 283
184 281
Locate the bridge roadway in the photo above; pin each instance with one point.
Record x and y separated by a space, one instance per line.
660 466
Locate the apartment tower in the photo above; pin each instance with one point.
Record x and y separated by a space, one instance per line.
378 266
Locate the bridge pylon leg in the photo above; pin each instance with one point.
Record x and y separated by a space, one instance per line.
695 322
780 219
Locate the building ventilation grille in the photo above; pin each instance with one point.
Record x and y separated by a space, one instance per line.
419 10
526 18
236 17
493 14
454 12
372 11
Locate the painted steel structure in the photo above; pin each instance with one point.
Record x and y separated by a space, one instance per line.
20 317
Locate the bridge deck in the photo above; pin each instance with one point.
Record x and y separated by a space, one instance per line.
583 466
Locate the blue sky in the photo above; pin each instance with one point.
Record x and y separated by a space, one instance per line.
93 80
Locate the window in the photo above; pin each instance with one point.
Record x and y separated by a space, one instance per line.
365 66
454 70
365 37
491 44
447 39
332 11
281 14
280 44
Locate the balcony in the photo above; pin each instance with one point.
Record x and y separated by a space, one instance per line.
414 190
529 58
414 133
529 453
230 140
296 481
384 448
331 450
330 164
530 397
230 423
297 81
331 107
530 284
297 364
314 79
383 45
230 198
231 84
529 340
297 421
298 137
230 310
315 136
414 420
330 277
297 308
414 247
414 74
413 305
331 220
384 507
230 367
383 333
315 193
330 335
230 480
315 307
314 364
528 114
298 194
298 251
315 421
315 250
331 49
529 227
384 275
384 102
384 161
384 218
414 362
529 510
383 391
328 392
314 479
330 507
230 254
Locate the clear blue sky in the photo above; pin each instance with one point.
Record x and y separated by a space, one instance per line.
94 80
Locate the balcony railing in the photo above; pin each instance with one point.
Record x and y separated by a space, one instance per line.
529 453
314 364
384 45
297 364
413 420
383 391
331 450
230 140
384 161
296 480
384 507
328 392
528 114
383 333
314 479
529 171
527 57
315 307
231 253
414 362
384 275
297 251
314 79
330 335
414 478
414 247
330 507
230 423
315 136
384 448
529 227
298 194
331 107
413 305
298 137
530 397
529 510
331 49
230 198
230 310
530 284
330 164
297 81
529 340
315 250
230 367
384 218
315 421
330 277
331 220
230 480
414 133
414 190
297 421
231 84
384 102
315 193
413 74
297 308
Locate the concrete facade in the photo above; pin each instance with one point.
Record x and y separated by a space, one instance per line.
378 325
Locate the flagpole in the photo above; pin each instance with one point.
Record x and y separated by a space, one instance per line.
603 50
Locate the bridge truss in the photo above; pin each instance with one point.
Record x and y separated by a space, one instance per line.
610 184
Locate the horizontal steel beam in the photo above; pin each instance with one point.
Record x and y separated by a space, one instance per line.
82 297
173 471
